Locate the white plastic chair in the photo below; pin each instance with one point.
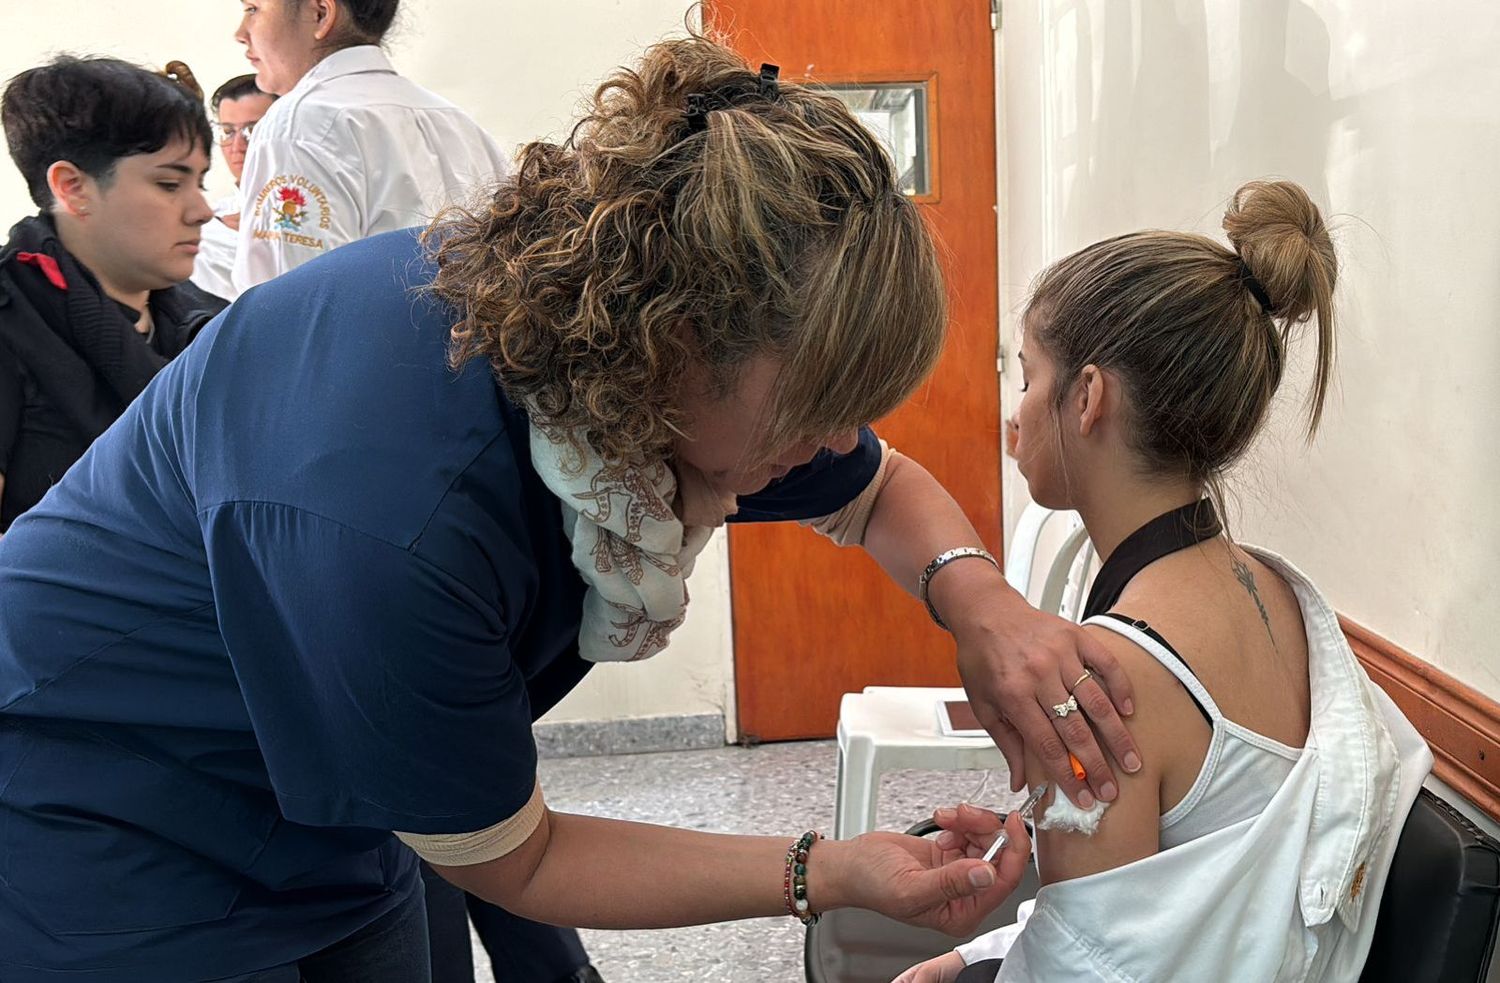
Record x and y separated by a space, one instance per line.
888 728
1068 571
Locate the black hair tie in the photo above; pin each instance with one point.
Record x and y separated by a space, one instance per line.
1254 286
700 104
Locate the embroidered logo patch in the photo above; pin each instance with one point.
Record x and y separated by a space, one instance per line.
1359 882
292 209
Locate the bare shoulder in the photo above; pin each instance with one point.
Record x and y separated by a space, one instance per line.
1168 726
1238 624
1161 703
1168 731
1209 595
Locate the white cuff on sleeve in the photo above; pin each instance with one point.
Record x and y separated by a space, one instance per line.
466 849
847 526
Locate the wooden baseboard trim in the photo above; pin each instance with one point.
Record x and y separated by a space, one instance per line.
1461 724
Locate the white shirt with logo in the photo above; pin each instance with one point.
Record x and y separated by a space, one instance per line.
213 270
352 151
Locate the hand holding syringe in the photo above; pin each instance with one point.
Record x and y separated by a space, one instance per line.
1027 808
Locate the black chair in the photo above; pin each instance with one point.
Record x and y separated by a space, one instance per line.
1438 917
1437 923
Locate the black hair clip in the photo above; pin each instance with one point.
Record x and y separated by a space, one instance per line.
700 104
770 87
697 113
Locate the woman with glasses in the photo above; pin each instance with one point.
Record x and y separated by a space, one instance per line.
353 149
237 106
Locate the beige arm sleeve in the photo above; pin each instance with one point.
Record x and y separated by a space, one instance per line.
847 526
465 849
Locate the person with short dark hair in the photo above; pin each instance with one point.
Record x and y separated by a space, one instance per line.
237 106
239 87
354 148
92 295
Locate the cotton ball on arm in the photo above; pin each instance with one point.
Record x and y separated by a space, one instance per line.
1065 817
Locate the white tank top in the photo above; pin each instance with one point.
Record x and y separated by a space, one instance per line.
1242 770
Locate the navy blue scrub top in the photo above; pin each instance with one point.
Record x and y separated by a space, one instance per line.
306 591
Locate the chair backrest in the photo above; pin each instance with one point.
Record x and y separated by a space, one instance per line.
1441 908
1064 574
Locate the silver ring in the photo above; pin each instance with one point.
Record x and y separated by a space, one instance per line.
1063 709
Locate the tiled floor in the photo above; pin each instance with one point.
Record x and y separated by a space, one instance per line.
778 789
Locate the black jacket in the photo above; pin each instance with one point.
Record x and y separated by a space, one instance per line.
70 358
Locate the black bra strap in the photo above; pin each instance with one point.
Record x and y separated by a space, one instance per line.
1156 637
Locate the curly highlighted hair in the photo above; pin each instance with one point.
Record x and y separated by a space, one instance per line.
642 244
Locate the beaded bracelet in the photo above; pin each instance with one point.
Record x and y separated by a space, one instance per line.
795 884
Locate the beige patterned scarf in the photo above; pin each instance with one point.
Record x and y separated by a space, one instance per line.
629 544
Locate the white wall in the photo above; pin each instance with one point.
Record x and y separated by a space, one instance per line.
695 674
521 69
1124 114
198 32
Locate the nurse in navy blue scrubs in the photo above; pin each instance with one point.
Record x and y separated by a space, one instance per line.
302 603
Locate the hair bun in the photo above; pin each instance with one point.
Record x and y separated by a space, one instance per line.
1280 236
179 72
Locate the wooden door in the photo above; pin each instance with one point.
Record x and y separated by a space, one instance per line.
813 621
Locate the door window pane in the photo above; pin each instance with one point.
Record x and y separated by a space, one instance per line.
897 113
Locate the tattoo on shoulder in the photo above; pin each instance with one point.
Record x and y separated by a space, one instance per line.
1246 578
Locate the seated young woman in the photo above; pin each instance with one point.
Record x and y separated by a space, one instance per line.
1254 842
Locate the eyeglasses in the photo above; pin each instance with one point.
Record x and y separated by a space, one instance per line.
228 131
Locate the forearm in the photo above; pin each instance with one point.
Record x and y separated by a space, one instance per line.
610 874
914 520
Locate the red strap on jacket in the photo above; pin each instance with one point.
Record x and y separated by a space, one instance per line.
47 265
